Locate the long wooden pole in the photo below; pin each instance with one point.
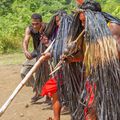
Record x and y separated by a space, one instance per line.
22 83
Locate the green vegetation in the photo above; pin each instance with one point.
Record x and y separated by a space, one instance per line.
15 16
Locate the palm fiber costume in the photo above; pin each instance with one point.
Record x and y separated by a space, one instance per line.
93 86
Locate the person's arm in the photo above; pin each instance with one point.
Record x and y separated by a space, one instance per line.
44 40
115 30
26 43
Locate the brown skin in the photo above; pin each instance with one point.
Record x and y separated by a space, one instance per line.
44 40
47 56
82 18
115 29
55 101
57 21
56 107
25 44
37 26
91 115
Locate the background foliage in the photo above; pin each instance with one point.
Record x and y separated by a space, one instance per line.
15 16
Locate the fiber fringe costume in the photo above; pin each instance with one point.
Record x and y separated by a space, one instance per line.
59 34
92 86
42 74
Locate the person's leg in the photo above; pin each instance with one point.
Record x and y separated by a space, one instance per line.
56 107
24 70
30 82
91 115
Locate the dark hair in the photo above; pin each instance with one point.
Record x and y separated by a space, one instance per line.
92 5
52 26
76 28
60 13
36 16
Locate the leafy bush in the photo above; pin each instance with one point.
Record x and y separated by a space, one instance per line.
15 16
9 44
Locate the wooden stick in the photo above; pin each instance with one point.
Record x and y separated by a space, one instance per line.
22 83
55 70
59 65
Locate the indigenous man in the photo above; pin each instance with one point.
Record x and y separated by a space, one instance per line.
113 22
35 31
92 91
56 30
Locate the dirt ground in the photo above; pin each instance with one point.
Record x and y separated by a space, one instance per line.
21 108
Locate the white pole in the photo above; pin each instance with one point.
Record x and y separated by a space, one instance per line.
22 83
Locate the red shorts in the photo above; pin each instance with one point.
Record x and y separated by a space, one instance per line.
50 87
90 98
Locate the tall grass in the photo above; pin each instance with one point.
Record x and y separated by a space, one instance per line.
9 44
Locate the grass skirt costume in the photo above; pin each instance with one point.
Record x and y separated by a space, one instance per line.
93 86
42 73
54 84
